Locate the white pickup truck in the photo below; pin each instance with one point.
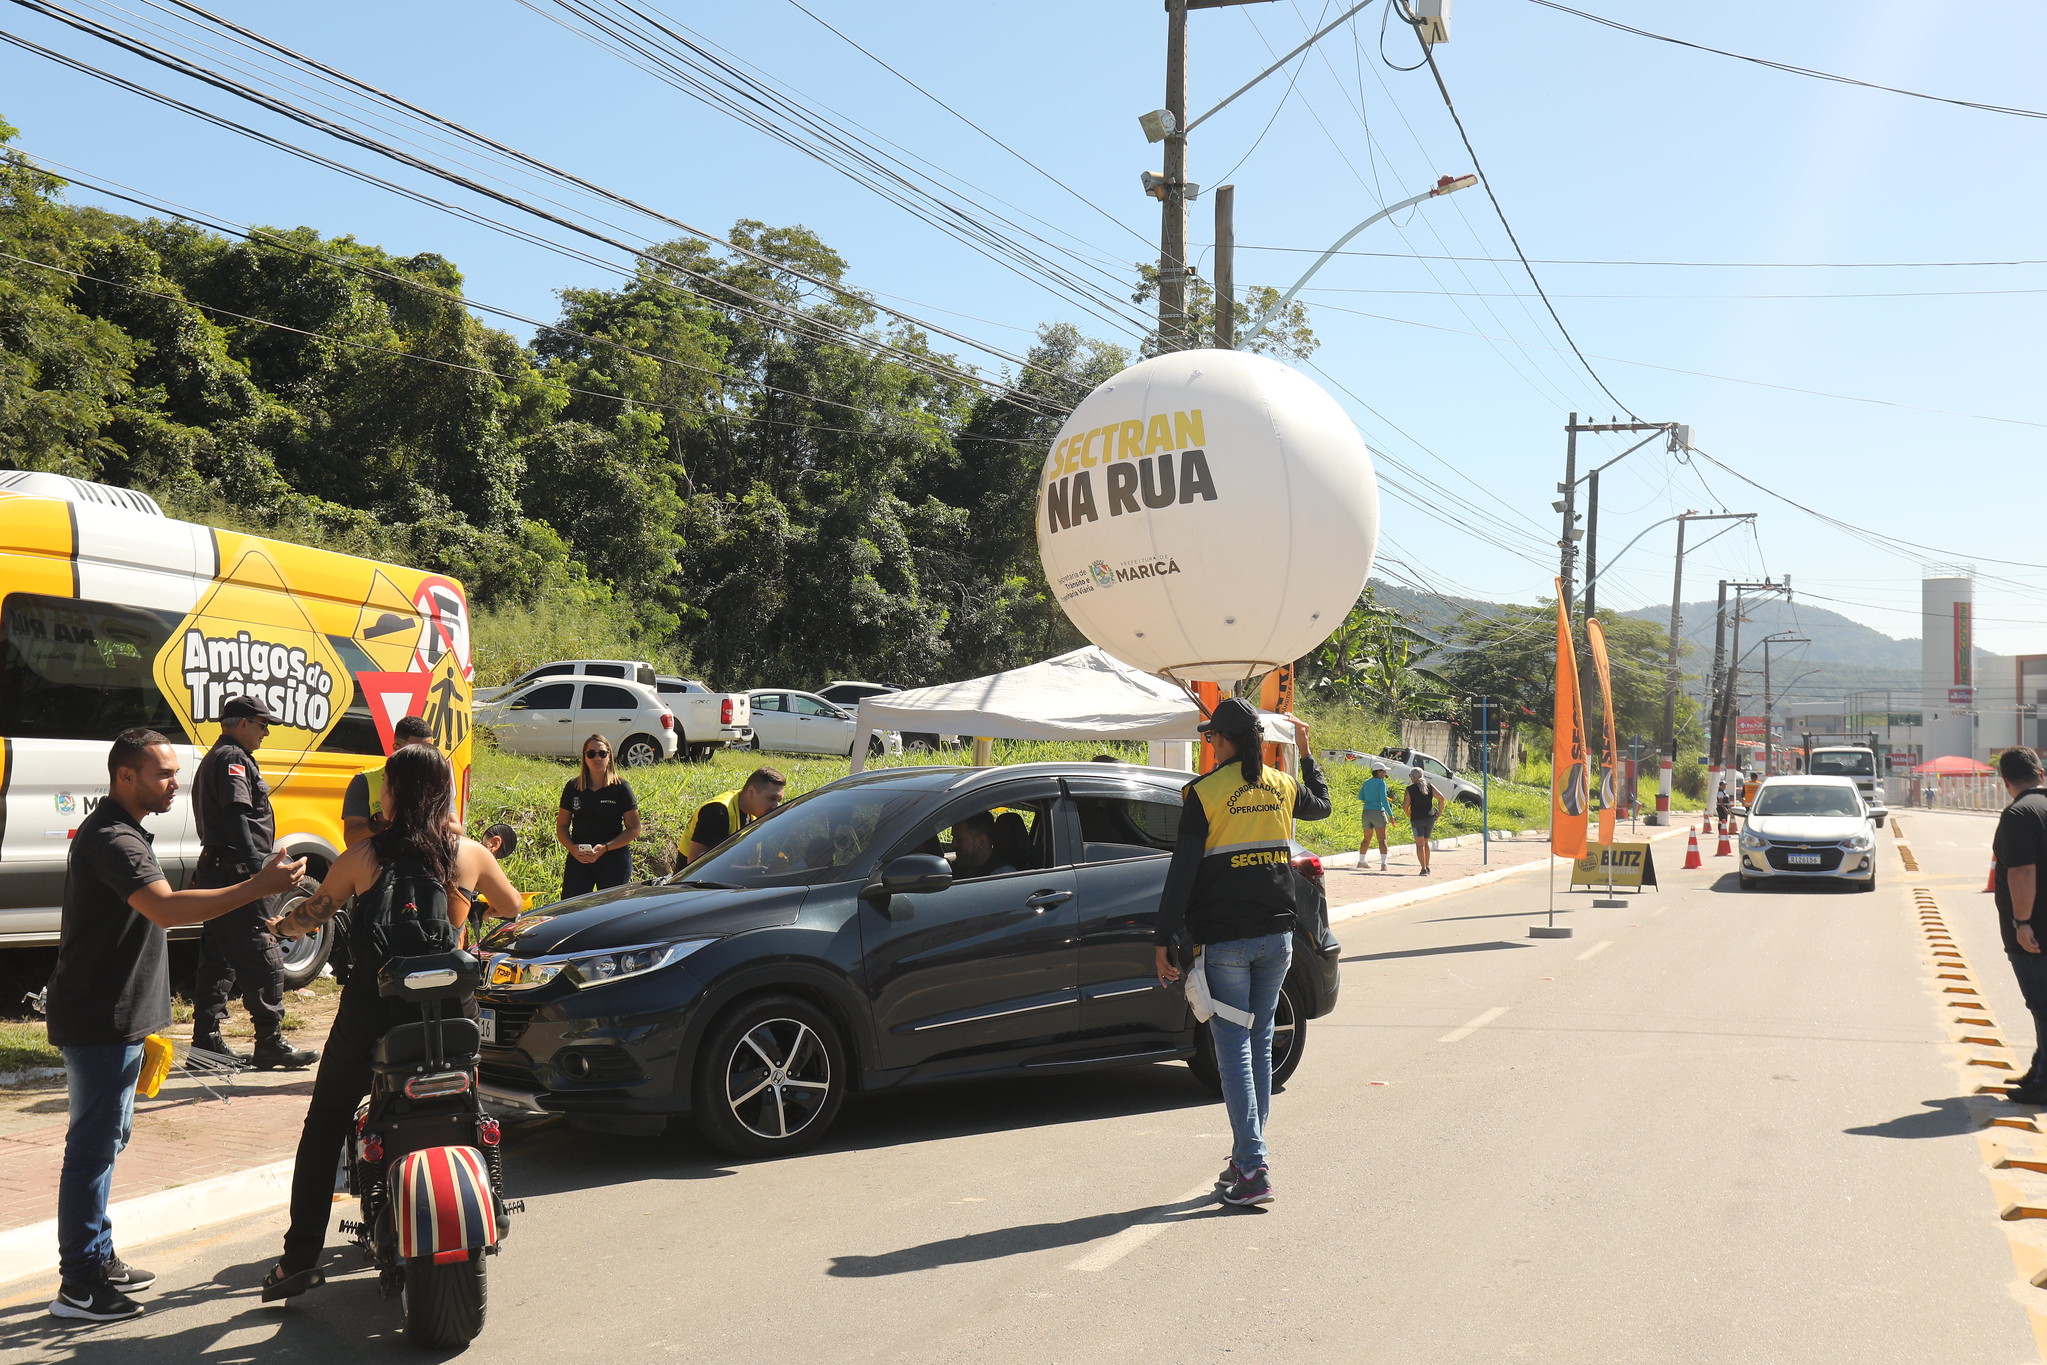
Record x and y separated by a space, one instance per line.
708 721
1401 763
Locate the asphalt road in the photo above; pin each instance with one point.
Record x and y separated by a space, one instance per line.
1712 1126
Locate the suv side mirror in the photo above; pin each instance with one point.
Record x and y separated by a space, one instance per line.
915 874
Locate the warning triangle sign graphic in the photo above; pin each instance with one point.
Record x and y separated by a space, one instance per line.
391 697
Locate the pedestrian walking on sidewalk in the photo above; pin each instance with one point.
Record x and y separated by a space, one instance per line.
1422 804
597 823
238 831
2020 850
110 991
1378 813
441 875
1227 914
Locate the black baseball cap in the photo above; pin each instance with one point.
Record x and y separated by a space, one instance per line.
247 708
1232 717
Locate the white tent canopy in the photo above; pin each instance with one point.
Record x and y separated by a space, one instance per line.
1085 695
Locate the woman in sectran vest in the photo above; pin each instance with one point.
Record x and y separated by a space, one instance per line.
1228 912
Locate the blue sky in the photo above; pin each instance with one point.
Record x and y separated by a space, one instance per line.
1601 147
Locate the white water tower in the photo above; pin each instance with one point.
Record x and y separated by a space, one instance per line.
1947 659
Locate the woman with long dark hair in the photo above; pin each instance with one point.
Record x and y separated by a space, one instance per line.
1227 915
422 847
597 823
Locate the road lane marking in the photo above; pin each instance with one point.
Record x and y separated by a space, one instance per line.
1456 1034
1134 1236
1595 949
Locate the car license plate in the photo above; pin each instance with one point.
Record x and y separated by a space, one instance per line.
1802 859
487 1023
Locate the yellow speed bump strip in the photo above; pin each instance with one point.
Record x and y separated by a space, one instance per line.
2009 1139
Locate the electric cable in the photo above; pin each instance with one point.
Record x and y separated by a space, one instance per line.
1794 70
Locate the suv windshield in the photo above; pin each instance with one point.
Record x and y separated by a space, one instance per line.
1807 800
1843 765
826 836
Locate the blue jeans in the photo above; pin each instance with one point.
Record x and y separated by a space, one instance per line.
101 1084
1247 972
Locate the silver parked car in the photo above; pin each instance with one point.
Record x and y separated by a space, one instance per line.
1809 828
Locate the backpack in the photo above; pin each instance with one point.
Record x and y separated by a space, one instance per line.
404 915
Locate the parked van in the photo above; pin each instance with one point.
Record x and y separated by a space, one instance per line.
113 615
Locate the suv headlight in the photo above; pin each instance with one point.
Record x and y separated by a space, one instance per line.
590 969
1754 843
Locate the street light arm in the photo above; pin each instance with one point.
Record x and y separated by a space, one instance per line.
1317 36
1447 185
1690 516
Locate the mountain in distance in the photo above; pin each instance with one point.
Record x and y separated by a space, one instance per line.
1844 656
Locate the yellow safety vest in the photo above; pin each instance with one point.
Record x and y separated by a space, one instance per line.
1249 824
736 819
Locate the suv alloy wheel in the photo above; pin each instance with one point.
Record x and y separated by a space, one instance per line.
770 1078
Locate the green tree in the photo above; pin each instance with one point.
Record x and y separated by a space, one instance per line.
1509 654
1373 661
1288 337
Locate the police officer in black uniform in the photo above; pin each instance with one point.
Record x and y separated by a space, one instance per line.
237 832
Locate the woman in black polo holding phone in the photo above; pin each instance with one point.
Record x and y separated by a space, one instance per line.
597 823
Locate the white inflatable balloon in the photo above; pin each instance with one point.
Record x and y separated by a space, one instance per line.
1209 515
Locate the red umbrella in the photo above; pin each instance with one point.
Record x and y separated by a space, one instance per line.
1953 765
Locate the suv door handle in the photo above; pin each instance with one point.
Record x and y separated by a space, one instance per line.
1045 900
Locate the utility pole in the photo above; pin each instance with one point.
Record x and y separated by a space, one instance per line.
1667 738
1680 438
1173 196
1770 701
1226 267
1713 710
1723 748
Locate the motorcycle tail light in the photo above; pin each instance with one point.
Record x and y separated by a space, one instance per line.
488 1132
372 1147
725 711
439 1083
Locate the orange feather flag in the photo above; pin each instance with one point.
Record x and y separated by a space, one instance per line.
1567 790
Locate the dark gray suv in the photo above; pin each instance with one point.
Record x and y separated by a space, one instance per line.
856 941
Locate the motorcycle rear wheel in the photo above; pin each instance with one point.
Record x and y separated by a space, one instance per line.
444 1303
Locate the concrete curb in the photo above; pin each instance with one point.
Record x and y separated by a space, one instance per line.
1359 909
30 1252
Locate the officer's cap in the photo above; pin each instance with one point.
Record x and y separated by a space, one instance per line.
247 708
1233 719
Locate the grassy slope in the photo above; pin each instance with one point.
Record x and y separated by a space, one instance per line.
525 792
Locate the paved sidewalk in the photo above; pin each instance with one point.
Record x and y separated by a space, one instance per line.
1349 887
181 1136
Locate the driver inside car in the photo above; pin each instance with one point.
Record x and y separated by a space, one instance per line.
973 843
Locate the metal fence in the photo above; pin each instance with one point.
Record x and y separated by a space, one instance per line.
1975 791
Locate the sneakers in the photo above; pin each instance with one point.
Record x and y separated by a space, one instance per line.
95 1302
1252 1188
127 1278
1230 1176
1425 872
1382 864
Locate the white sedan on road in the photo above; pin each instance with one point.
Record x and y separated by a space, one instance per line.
805 723
551 716
1808 827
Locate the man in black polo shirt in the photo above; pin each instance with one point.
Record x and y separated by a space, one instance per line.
111 990
2020 847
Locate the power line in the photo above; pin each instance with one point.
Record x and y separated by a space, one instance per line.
1699 265
1794 70
1696 374
1486 182
284 108
249 233
1898 294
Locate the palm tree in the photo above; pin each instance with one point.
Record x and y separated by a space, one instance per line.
1371 661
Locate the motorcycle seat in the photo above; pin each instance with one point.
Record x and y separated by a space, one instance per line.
407 1043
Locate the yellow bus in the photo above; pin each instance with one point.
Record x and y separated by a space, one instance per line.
114 615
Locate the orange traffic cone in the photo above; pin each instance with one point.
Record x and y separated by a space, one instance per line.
1726 849
1692 858
1991 885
